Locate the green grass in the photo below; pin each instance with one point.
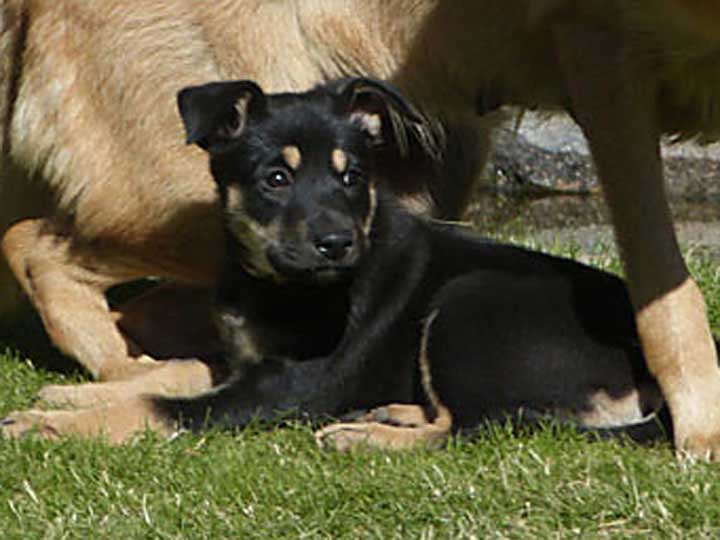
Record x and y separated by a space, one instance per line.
275 484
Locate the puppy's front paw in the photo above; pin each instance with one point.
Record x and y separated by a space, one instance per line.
397 414
343 436
395 427
347 436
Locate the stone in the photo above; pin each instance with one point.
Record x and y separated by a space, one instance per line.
548 153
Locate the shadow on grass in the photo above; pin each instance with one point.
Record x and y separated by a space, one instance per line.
23 333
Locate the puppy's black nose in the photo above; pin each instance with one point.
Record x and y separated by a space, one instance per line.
334 246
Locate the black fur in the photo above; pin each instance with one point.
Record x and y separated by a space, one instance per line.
515 330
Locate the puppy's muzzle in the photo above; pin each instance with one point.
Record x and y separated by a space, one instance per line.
335 246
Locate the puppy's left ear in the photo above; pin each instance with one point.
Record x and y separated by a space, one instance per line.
217 113
372 103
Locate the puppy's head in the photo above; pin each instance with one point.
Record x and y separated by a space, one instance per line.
294 171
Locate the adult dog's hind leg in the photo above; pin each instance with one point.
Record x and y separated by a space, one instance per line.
616 110
66 285
174 378
171 320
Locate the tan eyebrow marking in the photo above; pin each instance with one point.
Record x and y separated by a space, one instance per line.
339 160
292 156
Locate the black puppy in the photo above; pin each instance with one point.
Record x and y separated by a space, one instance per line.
333 299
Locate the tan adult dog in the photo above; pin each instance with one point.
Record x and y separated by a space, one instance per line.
92 151
79 79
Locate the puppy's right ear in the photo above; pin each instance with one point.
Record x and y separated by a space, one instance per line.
380 109
216 114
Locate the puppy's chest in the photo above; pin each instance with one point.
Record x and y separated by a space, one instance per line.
297 330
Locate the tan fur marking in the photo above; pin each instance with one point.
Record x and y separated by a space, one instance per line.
292 156
339 160
608 411
372 124
367 225
234 197
257 238
424 361
240 330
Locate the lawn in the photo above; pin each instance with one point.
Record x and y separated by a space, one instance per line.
275 484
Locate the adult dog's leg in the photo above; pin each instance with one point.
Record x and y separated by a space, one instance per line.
617 113
174 378
117 422
66 284
168 322
171 321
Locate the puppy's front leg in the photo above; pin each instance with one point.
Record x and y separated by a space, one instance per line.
262 391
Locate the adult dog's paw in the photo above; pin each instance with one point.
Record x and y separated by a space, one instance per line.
32 422
116 423
82 395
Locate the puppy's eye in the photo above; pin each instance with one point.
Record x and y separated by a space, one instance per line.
278 178
352 177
